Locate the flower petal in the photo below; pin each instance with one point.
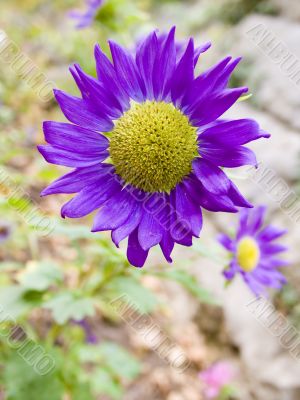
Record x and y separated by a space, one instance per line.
232 133
237 198
98 95
78 179
227 157
212 178
127 72
271 233
145 58
188 211
114 212
108 77
226 242
55 155
74 138
82 113
135 254
215 105
184 74
164 67
90 198
206 199
128 226
150 230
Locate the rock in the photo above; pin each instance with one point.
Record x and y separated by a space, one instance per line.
271 46
289 8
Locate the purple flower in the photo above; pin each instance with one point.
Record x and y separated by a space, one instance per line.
5 231
216 378
90 337
86 19
254 253
147 144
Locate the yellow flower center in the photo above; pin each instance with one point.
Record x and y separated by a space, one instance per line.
248 254
152 146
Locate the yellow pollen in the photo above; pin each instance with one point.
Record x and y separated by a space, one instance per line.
152 146
248 254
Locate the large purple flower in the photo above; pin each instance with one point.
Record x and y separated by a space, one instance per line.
85 19
254 253
161 139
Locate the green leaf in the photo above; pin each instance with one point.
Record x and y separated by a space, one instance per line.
190 283
40 276
82 391
21 381
72 231
14 302
119 361
139 296
103 383
66 306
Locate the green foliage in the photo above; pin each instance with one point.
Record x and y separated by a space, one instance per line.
41 276
190 283
68 305
23 382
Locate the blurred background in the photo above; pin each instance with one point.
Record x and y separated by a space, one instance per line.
65 334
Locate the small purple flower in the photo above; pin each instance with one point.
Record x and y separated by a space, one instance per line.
90 337
216 377
86 19
254 253
5 231
147 144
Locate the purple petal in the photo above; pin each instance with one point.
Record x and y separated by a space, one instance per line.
150 230
145 59
270 249
184 74
199 50
203 86
271 233
223 79
188 211
128 226
127 72
98 96
55 155
215 105
180 228
114 212
212 178
206 199
164 67
226 242
90 198
74 138
257 218
233 133
231 270
108 77
227 157
75 181
167 245
81 113
135 254
237 198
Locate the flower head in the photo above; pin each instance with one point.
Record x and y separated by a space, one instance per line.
216 377
254 253
147 144
85 19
